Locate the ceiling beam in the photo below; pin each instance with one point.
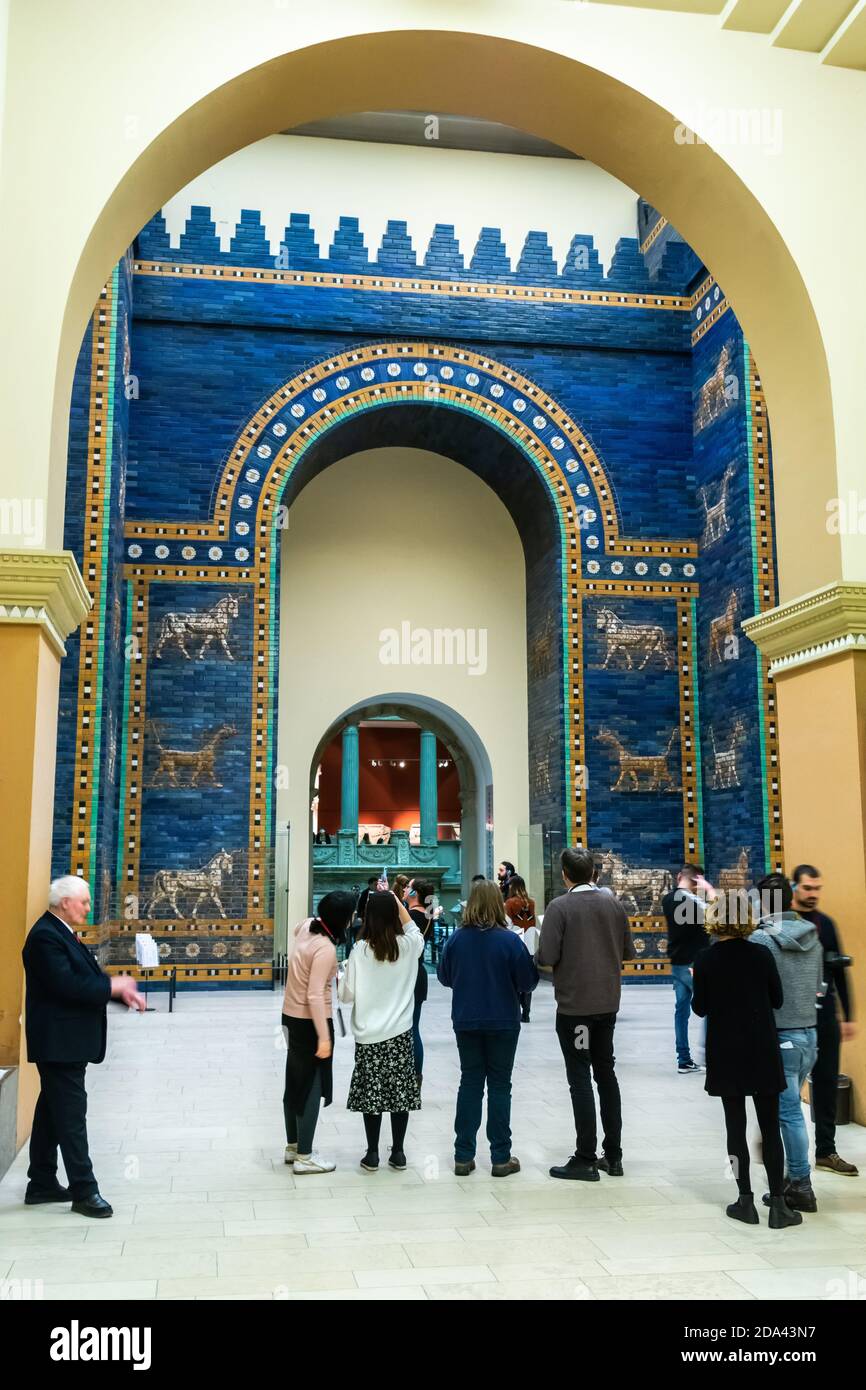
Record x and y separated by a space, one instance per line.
848 48
756 16
810 25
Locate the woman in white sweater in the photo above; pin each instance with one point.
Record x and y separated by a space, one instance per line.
379 983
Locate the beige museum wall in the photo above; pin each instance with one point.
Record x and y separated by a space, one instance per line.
76 124
822 757
353 568
421 184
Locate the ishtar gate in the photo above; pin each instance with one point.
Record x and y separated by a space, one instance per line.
434 441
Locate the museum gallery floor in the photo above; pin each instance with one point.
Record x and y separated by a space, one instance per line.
187 1139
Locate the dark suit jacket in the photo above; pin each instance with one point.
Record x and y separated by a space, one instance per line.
67 994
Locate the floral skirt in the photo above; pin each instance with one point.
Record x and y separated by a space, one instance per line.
384 1079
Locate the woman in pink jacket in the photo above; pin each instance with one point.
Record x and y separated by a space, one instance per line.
309 1027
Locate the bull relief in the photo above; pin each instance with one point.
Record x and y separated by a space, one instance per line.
212 625
628 640
206 883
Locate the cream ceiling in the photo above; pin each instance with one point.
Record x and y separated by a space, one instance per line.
834 29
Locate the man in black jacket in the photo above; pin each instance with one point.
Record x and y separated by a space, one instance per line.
807 885
684 913
66 1027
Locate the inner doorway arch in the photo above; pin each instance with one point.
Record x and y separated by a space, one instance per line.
474 770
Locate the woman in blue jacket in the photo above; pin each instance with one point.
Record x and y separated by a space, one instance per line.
487 968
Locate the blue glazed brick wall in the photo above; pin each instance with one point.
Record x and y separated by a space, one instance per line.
733 817
641 708
207 352
188 701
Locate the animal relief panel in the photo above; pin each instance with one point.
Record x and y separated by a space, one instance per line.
195 743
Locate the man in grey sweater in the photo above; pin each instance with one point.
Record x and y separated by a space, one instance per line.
799 959
585 938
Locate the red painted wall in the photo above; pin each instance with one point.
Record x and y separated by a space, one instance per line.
387 795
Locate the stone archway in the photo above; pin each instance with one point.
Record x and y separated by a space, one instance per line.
568 102
471 757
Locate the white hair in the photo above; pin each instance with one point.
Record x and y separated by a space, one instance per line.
70 886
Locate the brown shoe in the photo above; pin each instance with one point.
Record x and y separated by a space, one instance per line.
464 1169
504 1170
834 1164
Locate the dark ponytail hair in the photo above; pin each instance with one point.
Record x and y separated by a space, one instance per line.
333 916
382 926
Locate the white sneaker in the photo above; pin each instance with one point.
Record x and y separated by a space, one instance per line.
312 1163
291 1153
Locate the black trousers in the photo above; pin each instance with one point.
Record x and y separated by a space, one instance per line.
767 1111
60 1119
825 1075
587 1047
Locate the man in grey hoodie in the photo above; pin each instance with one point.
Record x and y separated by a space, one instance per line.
799 959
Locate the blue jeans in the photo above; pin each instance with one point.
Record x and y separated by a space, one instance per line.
486 1056
683 991
798 1060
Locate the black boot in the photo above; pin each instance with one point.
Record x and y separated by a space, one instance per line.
800 1195
744 1209
782 1215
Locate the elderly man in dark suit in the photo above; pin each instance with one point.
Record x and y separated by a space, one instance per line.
66 1027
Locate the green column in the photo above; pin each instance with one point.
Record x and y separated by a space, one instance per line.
349 785
428 790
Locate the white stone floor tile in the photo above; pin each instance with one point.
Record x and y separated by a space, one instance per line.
299 1222
186 1127
134 1290
516 1290
337 1258
565 1250
409 1293
805 1257
97 1268
426 1276
685 1264
327 1240
819 1282
258 1286
687 1287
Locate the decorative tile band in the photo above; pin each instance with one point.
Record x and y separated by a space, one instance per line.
653 235
689 729
94 550
764 595
611 298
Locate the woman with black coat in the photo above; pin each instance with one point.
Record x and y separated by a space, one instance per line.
419 900
736 989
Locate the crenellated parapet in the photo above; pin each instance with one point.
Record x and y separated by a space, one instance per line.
670 260
673 266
